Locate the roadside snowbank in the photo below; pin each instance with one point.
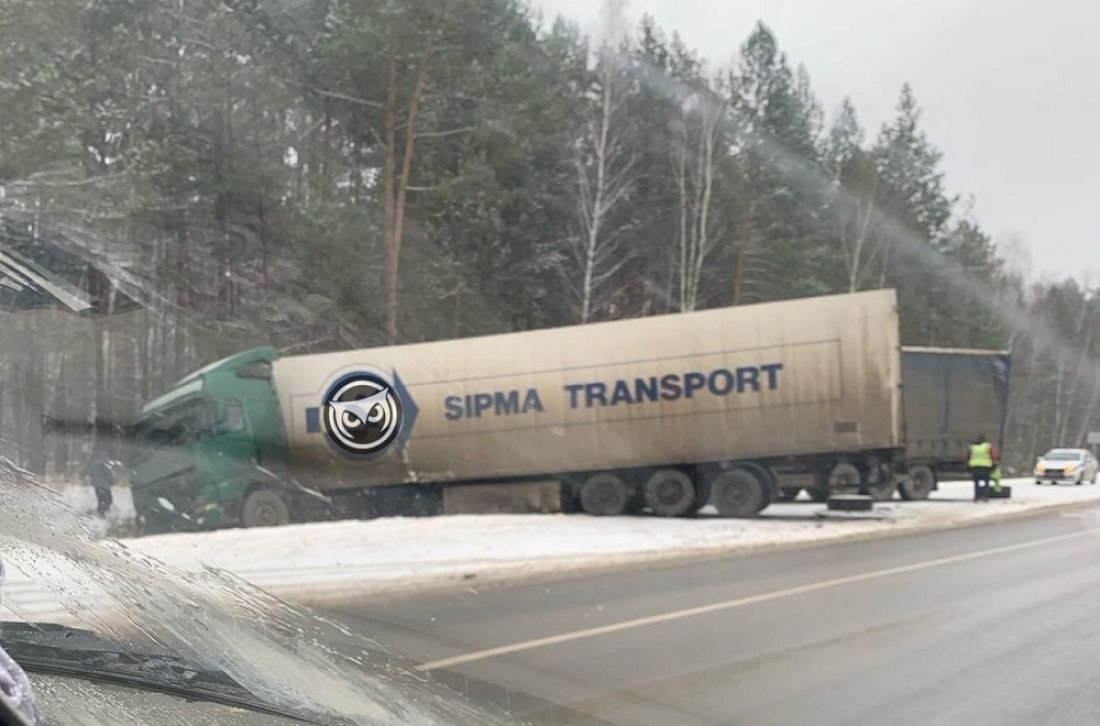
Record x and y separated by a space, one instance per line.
352 561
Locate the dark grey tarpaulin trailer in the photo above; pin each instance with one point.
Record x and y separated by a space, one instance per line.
949 396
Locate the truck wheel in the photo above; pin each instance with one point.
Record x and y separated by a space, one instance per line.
264 508
669 492
844 476
919 484
738 493
604 495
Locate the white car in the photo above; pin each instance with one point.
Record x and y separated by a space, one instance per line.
1075 465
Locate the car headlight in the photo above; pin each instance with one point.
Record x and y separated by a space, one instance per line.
1071 466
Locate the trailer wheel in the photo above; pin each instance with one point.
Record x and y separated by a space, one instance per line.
919 484
264 508
604 495
738 493
669 492
844 476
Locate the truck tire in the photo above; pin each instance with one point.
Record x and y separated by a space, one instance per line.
919 484
264 508
844 476
738 493
669 493
604 495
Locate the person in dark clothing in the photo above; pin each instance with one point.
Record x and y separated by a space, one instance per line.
98 473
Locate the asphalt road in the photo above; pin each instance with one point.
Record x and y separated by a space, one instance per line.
994 624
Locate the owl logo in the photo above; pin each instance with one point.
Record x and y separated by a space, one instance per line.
362 413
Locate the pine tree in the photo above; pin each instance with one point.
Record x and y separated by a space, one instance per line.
782 247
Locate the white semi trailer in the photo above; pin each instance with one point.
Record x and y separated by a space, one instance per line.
735 406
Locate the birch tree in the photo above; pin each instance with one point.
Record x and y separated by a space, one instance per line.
697 148
605 166
854 194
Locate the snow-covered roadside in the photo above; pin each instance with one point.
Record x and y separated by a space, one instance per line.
354 561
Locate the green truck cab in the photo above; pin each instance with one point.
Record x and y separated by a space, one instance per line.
211 452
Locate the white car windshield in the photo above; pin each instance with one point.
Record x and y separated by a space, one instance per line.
1063 455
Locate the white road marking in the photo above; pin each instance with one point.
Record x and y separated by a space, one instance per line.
736 603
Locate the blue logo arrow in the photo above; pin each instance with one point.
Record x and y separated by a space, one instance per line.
409 410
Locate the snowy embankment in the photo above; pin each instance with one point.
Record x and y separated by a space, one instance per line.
329 563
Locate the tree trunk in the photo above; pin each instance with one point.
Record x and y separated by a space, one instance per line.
393 256
389 164
742 256
456 315
681 187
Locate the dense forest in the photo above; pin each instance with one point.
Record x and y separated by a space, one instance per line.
345 173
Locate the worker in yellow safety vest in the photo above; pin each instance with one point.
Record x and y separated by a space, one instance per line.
983 458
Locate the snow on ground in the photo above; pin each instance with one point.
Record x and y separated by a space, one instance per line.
353 561
81 498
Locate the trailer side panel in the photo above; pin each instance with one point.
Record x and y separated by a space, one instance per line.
797 377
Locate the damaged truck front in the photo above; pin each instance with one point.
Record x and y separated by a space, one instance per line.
197 452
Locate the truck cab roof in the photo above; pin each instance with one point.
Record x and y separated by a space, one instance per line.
264 353
192 383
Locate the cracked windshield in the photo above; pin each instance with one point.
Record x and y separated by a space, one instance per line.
548 362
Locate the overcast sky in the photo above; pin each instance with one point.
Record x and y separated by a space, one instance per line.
1009 88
